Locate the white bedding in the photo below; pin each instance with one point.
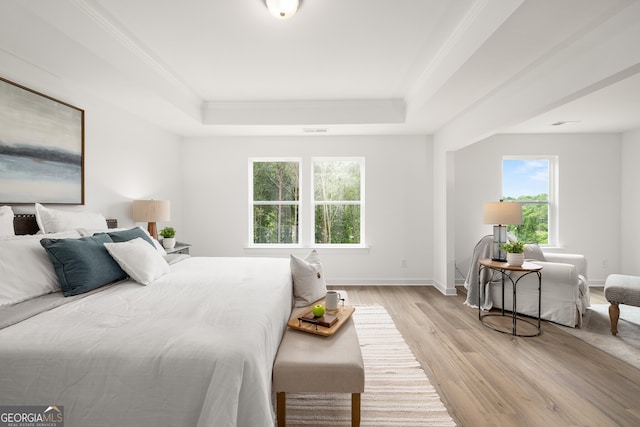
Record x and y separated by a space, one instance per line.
194 348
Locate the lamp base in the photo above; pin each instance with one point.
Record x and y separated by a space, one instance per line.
499 237
153 230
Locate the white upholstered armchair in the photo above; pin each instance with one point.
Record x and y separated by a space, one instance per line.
565 287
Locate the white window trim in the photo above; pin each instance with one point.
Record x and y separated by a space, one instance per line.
306 209
554 229
313 203
251 202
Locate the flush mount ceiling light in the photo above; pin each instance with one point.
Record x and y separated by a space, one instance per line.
283 9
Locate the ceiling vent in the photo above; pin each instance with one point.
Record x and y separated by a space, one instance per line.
564 122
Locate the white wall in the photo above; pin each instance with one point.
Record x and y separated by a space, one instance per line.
398 202
206 181
444 219
125 157
630 215
589 194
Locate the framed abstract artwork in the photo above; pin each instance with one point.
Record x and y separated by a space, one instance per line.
41 148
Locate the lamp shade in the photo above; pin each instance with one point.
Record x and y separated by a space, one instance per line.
502 213
282 9
151 210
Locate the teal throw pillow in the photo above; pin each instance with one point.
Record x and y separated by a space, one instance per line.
126 235
82 264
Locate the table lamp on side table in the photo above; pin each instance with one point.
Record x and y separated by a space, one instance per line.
501 213
151 211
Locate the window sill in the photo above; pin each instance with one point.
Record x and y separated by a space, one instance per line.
299 249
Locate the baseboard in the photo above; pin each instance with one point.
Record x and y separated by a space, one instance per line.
381 282
444 290
391 282
592 283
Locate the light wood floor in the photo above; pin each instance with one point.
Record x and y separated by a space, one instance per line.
486 378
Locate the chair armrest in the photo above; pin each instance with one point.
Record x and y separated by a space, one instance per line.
577 260
559 272
559 280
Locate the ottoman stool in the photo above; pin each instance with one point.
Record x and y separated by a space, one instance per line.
621 289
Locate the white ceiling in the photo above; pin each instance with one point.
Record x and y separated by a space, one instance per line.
211 67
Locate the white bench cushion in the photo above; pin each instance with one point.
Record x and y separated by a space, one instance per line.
308 363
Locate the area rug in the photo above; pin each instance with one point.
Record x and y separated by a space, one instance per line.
596 330
397 391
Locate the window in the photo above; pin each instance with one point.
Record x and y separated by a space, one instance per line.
530 180
337 201
324 207
275 193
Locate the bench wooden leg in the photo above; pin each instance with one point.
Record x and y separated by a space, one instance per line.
281 409
614 315
355 410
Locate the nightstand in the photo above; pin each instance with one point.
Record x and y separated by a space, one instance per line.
179 248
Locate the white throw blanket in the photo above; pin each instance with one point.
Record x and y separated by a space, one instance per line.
472 282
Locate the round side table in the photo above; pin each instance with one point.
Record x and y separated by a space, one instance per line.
504 269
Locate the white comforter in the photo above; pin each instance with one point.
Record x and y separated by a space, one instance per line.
195 348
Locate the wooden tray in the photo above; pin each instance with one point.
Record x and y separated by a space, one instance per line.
343 313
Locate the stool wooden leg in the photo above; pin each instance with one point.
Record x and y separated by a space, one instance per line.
614 315
281 408
355 410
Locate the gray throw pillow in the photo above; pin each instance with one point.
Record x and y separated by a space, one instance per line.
308 279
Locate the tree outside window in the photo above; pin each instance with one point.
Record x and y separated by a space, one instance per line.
337 199
276 202
330 201
529 181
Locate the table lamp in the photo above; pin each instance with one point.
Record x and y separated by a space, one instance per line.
501 214
151 211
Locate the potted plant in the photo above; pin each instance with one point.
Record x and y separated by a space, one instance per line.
168 237
515 252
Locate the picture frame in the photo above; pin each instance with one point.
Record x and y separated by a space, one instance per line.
41 148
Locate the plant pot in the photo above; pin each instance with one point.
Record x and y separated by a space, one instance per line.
169 242
515 260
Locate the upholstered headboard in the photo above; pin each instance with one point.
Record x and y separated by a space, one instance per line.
26 224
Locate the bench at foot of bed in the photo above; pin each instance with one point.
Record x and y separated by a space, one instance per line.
308 363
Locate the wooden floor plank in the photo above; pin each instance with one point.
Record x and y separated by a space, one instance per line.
488 378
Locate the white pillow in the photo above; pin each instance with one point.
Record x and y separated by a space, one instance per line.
533 251
54 221
6 221
139 260
158 245
308 279
25 268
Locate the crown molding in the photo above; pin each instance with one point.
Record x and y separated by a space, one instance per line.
116 31
325 112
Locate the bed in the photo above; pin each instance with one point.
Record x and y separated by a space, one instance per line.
193 348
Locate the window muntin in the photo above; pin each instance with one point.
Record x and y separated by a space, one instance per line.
530 180
275 194
337 201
